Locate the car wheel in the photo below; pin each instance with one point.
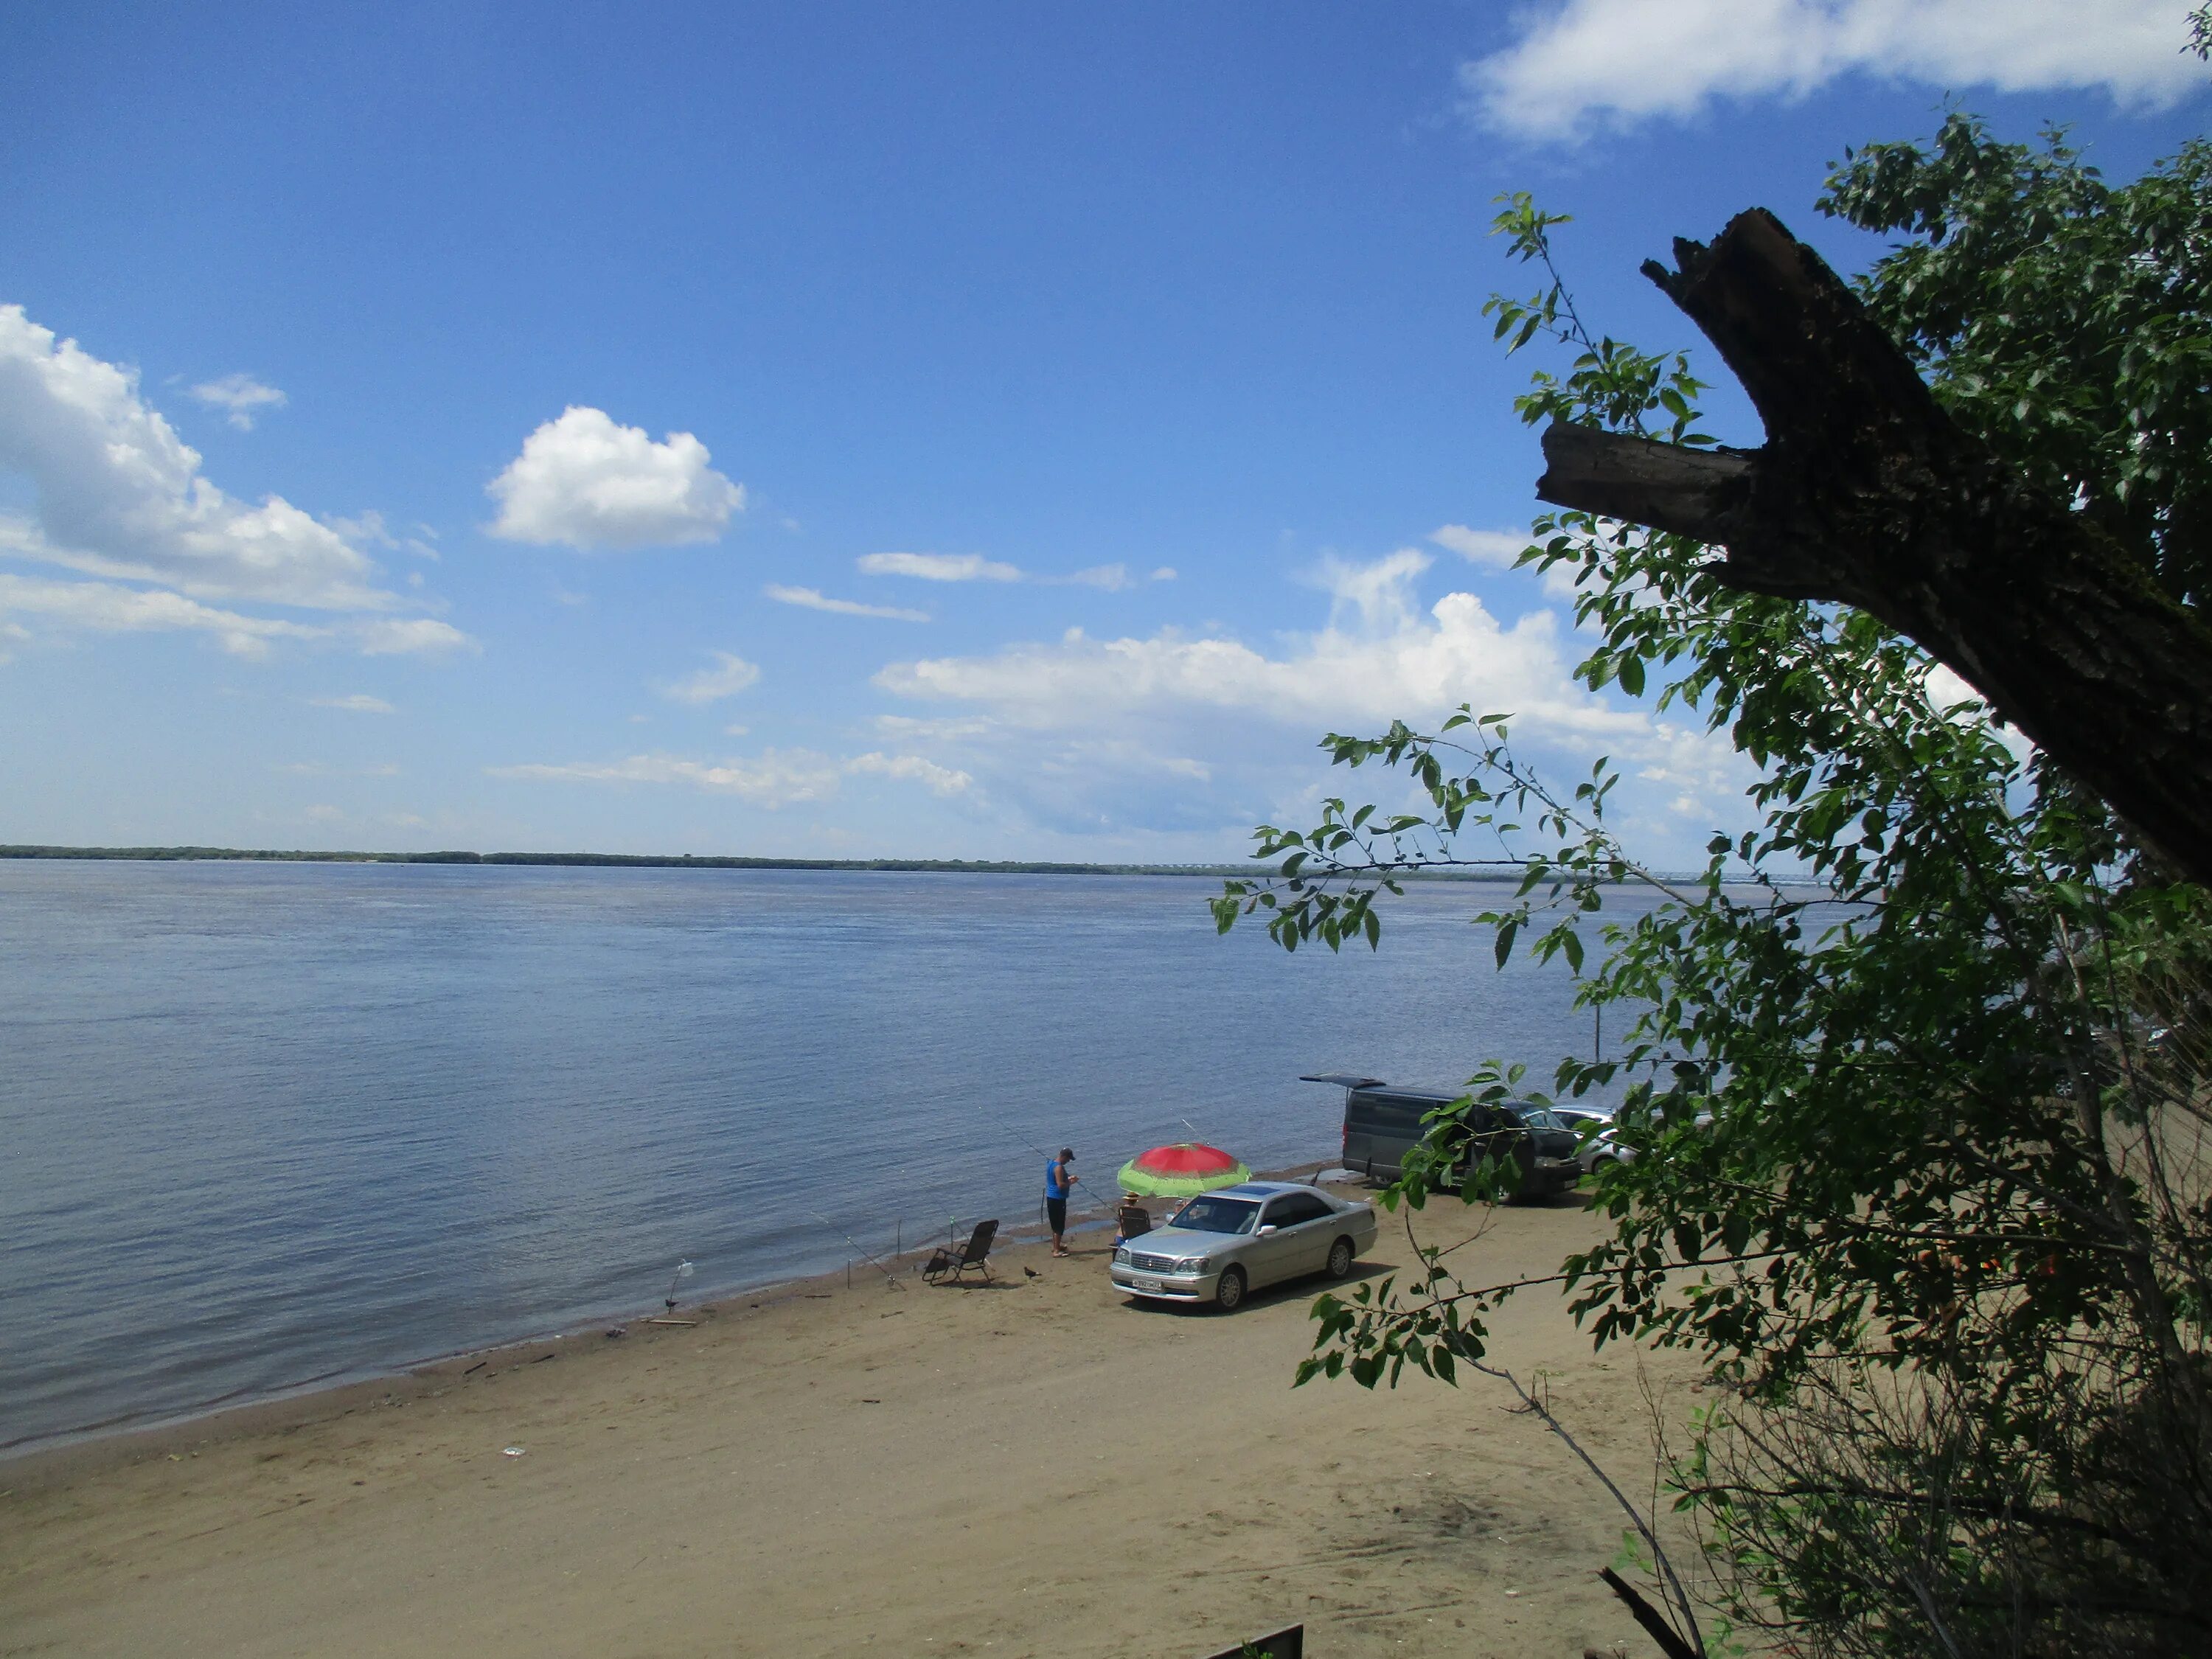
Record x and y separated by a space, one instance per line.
1339 1258
1229 1291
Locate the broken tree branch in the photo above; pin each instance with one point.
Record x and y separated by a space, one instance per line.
1867 493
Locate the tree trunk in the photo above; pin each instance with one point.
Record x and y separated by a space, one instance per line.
1867 494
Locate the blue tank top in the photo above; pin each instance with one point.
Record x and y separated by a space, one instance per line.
1052 1186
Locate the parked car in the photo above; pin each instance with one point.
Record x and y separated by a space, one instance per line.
1223 1244
1382 1122
1593 1129
1576 1114
1607 1148
1603 1148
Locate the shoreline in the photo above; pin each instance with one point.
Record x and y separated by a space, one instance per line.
713 1304
79 1452
1039 1465
1259 870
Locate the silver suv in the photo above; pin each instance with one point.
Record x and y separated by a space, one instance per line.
1222 1244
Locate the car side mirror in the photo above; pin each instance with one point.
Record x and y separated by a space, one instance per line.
1267 1229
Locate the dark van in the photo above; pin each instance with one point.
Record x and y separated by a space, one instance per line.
1382 1122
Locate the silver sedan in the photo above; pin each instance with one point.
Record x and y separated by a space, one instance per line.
1223 1244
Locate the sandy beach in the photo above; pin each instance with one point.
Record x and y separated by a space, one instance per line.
1035 1467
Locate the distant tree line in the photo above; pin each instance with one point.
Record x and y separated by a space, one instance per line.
615 860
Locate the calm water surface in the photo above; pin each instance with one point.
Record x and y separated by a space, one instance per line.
265 1125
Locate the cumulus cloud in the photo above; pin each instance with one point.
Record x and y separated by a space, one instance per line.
359 703
120 494
1197 735
1588 64
1379 657
729 675
238 396
939 567
811 598
583 482
775 778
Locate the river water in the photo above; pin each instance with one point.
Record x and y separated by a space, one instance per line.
266 1125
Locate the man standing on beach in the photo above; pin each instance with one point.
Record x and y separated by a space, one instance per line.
1059 1177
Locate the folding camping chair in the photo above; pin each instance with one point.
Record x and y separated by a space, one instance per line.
950 1263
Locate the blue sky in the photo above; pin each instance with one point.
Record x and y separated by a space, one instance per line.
972 431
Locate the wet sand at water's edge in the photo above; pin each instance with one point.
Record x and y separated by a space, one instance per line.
1031 1466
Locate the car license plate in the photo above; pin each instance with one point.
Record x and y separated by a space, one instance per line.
1149 1286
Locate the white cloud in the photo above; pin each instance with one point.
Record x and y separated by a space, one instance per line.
239 396
1378 595
1586 63
775 778
810 599
941 780
1197 736
109 608
729 675
1497 549
1112 578
387 637
120 494
974 568
105 608
902 728
369 529
583 482
1501 549
358 702
939 567
1378 658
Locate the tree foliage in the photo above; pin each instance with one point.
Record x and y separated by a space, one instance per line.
1916 1068
2067 321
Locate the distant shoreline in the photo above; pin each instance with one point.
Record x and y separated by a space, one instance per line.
620 860
700 862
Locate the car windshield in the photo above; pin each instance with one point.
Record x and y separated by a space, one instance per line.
1218 1215
1535 1117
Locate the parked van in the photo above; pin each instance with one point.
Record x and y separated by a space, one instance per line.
1383 1121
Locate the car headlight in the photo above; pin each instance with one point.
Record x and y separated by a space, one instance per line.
1197 1266
1120 1255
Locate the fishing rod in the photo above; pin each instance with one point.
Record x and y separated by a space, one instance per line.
890 1278
683 1270
1104 1209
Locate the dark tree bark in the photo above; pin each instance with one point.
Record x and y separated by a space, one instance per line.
1867 494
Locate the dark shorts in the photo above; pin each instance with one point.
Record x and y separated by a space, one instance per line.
1055 1211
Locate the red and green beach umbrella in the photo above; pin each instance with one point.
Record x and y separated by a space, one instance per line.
1183 1170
